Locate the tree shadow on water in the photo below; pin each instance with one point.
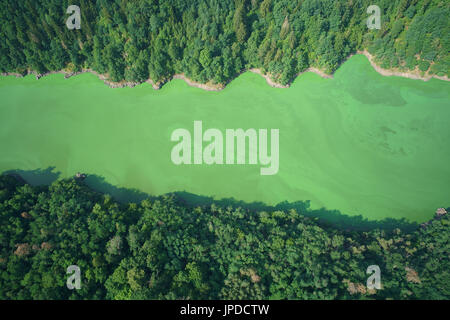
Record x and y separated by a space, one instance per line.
37 177
41 177
342 221
325 217
121 194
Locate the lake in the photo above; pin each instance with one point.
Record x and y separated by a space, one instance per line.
359 143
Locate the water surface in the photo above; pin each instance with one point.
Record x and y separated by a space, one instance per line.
360 143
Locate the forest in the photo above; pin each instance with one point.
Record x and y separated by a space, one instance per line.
215 40
162 248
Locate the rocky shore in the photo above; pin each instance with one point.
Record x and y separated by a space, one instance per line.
415 74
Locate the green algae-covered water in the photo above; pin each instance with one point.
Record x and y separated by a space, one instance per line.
360 143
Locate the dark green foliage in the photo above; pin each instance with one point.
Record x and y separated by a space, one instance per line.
160 249
214 40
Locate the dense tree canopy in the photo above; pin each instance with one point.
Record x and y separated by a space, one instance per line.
162 249
214 40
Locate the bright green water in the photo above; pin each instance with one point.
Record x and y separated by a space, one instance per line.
360 143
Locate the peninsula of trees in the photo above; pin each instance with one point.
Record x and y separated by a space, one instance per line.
212 41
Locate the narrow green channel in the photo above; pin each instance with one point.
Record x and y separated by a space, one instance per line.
360 143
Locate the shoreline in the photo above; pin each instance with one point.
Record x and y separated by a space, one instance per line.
274 84
415 74
209 86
